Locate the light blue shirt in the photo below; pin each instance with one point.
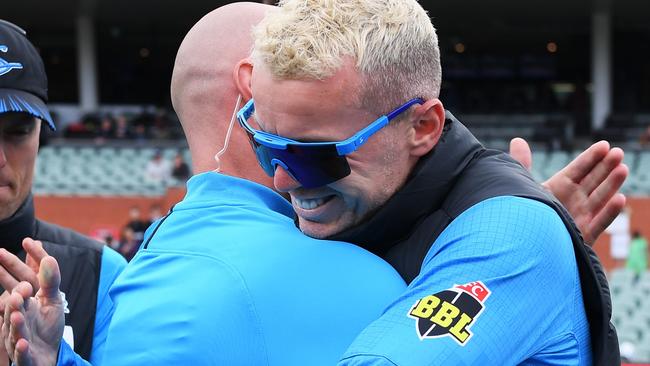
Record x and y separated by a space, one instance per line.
112 265
519 300
228 279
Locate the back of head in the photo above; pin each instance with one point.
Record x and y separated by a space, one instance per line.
392 42
203 91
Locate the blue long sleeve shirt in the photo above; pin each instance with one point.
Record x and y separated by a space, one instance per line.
112 265
499 286
227 279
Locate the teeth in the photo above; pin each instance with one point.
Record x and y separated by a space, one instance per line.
308 204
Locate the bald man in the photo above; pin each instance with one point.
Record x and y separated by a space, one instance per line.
226 278
164 295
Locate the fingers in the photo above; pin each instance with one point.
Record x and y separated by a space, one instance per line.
13 270
5 334
4 356
607 188
13 313
602 170
21 353
520 151
586 161
605 217
35 253
3 300
24 289
49 279
17 329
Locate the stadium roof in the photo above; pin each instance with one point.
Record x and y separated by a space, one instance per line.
480 16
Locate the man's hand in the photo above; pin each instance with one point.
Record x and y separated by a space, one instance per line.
33 326
13 270
588 186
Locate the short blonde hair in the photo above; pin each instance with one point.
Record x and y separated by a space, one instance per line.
393 43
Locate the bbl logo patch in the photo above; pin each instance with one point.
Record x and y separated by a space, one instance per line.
450 312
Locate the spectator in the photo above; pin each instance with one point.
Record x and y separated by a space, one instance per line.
158 170
180 171
637 260
619 231
160 129
106 131
155 213
644 139
122 129
128 245
136 224
140 133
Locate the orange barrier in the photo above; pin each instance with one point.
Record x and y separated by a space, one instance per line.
89 215
639 220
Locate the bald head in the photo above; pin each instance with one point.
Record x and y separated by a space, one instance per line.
203 90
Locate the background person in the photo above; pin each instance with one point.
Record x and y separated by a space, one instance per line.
637 260
87 267
158 169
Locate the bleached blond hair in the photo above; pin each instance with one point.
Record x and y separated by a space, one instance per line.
393 43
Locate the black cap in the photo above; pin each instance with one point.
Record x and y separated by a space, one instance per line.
23 82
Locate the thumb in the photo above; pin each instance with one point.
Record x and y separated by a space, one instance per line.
520 151
49 279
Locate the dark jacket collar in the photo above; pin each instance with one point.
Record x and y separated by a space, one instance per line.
423 193
17 227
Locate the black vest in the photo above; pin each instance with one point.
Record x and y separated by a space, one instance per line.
79 259
456 175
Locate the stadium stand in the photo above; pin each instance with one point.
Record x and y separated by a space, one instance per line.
84 170
94 170
631 312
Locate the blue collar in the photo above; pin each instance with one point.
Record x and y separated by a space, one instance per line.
216 189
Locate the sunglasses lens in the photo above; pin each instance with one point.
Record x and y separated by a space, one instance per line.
311 166
314 166
262 154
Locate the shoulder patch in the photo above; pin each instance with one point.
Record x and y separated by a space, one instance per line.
450 312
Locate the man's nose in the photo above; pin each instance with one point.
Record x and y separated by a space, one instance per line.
283 181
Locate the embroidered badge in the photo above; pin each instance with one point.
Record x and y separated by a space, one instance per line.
6 66
450 312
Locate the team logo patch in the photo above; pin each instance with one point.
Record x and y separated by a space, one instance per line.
450 312
6 66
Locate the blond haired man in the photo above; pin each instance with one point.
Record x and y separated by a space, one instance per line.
214 99
343 112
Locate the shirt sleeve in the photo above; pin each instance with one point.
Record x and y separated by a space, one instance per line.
111 266
498 287
67 357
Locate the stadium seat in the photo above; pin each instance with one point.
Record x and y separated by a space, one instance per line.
98 170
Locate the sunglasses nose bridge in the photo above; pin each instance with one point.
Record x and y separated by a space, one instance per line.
283 183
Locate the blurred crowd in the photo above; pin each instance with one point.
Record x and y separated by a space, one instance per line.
158 125
161 170
131 234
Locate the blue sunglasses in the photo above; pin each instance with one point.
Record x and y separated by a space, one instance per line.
312 164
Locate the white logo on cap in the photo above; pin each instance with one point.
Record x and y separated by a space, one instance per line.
6 66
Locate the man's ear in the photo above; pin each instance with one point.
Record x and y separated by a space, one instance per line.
242 75
429 120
